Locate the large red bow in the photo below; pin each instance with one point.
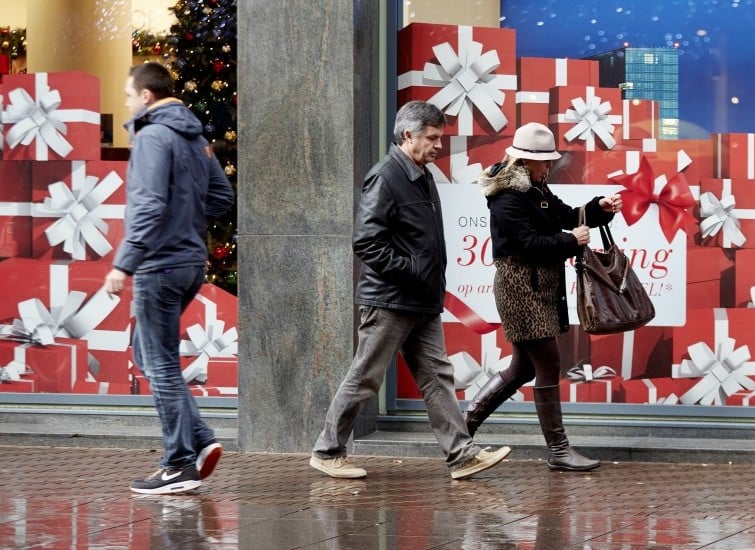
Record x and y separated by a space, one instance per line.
468 317
672 201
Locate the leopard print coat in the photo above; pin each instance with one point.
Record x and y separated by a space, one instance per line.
526 314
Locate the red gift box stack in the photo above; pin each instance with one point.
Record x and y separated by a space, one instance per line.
61 220
704 186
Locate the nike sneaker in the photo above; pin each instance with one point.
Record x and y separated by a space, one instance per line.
208 458
168 481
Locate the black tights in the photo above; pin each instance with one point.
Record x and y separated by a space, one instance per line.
537 359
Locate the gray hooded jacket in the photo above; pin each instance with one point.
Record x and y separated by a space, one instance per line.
175 187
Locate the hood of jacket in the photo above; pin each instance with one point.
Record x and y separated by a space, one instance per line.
498 177
170 112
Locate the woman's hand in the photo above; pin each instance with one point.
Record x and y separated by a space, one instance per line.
611 204
582 234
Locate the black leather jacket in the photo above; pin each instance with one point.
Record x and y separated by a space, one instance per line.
398 236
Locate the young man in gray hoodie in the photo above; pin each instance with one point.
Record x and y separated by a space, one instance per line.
175 188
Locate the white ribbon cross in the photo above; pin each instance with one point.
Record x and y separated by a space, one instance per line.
591 118
41 120
466 81
723 372
207 343
79 210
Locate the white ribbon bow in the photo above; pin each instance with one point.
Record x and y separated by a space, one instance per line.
41 120
466 80
70 320
723 372
720 215
585 373
208 343
79 211
591 119
468 372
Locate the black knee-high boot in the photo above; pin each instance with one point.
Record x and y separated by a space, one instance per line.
561 456
495 391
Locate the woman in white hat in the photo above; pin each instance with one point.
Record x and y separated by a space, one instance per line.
533 232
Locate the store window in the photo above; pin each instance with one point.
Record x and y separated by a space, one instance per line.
63 158
651 101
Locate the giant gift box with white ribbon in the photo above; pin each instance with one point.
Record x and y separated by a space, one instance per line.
727 213
467 72
715 347
15 196
55 366
585 118
588 384
209 339
78 209
656 391
66 300
48 116
734 155
537 75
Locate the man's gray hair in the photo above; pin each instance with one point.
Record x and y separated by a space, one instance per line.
415 116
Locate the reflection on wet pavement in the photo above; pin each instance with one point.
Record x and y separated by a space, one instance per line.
78 498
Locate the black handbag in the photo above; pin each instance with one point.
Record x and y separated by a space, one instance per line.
610 297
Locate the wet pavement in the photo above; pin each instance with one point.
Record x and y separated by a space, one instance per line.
78 498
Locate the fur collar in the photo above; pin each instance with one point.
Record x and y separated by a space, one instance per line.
496 178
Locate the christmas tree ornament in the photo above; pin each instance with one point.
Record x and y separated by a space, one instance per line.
218 85
190 86
230 170
230 135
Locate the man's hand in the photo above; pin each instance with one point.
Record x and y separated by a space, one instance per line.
115 281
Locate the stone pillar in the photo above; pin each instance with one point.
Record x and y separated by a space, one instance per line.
308 126
79 35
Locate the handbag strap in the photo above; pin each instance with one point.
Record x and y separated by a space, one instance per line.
605 231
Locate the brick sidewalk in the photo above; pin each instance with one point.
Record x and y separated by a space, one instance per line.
78 498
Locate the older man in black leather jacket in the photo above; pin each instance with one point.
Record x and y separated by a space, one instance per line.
398 236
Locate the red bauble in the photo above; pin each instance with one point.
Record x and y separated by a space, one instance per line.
188 36
218 65
220 252
157 48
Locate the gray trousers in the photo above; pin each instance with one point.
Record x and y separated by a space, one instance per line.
382 334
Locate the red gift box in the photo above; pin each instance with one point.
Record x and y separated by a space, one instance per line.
744 278
209 345
4 65
640 119
727 213
714 348
585 118
734 156
587 385
15 208
50 116
643 353
462 159
55 367
537 75
100 321
656 390
468 72
710 277
79 209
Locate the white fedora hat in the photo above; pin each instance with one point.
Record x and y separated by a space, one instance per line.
533 141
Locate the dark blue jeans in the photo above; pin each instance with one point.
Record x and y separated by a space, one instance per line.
159 300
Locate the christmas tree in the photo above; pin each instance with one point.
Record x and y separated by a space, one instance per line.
202 49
